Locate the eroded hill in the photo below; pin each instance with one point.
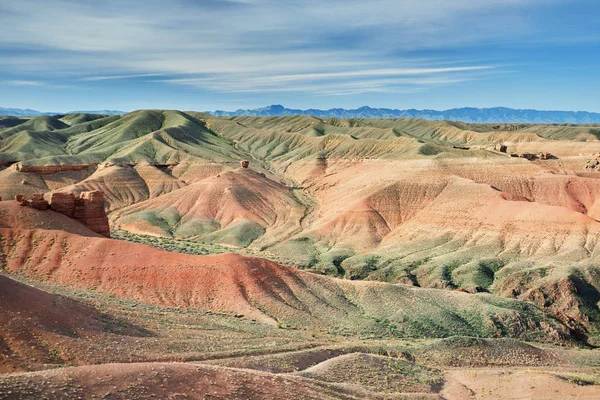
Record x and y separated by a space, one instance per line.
431 204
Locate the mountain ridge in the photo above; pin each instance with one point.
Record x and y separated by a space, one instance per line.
464 114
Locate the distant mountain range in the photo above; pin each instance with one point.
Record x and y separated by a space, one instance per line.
20 112
466 114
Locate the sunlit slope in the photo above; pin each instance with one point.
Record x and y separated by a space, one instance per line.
426 214
124 185
153 136
235 207
434 230
161 137
141 154
44 137
534 138
265 291
425 203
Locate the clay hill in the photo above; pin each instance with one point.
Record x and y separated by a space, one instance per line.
234 234
509 209
140 306
257 288
42 330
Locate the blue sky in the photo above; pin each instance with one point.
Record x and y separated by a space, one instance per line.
229 54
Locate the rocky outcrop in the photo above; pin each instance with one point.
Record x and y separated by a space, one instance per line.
496 147
501 148
50 169
509 127
63 203
245 163
53 169
89 210
593 165
533 156
38 202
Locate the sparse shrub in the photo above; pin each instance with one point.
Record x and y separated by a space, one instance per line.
429 150
360 267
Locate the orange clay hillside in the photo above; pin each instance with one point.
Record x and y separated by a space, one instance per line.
297 257
215 314
235 207
255 288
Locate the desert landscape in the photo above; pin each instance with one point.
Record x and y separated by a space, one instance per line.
292 199
169 254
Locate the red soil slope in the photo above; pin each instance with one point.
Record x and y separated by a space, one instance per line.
226 282
35 325
13 215
164 381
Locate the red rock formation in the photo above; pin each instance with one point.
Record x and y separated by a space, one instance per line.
63 203
501 148
245 163
50 169
37 201
89 210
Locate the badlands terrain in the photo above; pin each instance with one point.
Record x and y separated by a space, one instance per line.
351 259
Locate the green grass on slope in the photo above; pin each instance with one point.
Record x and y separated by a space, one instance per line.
128 127
170 136
173 245
88 126
31 144
41 138
79 118
9 122
38 124
379 310
154 136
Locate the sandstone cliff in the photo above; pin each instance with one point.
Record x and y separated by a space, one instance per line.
87 208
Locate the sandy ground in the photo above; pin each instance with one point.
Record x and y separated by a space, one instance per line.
516 384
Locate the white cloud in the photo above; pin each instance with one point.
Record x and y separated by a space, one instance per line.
247 45
16 82
113 77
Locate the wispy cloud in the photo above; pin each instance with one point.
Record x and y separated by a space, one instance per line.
17 82
257 45
116 77
377 80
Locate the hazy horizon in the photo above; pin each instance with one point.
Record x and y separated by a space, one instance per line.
55 111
